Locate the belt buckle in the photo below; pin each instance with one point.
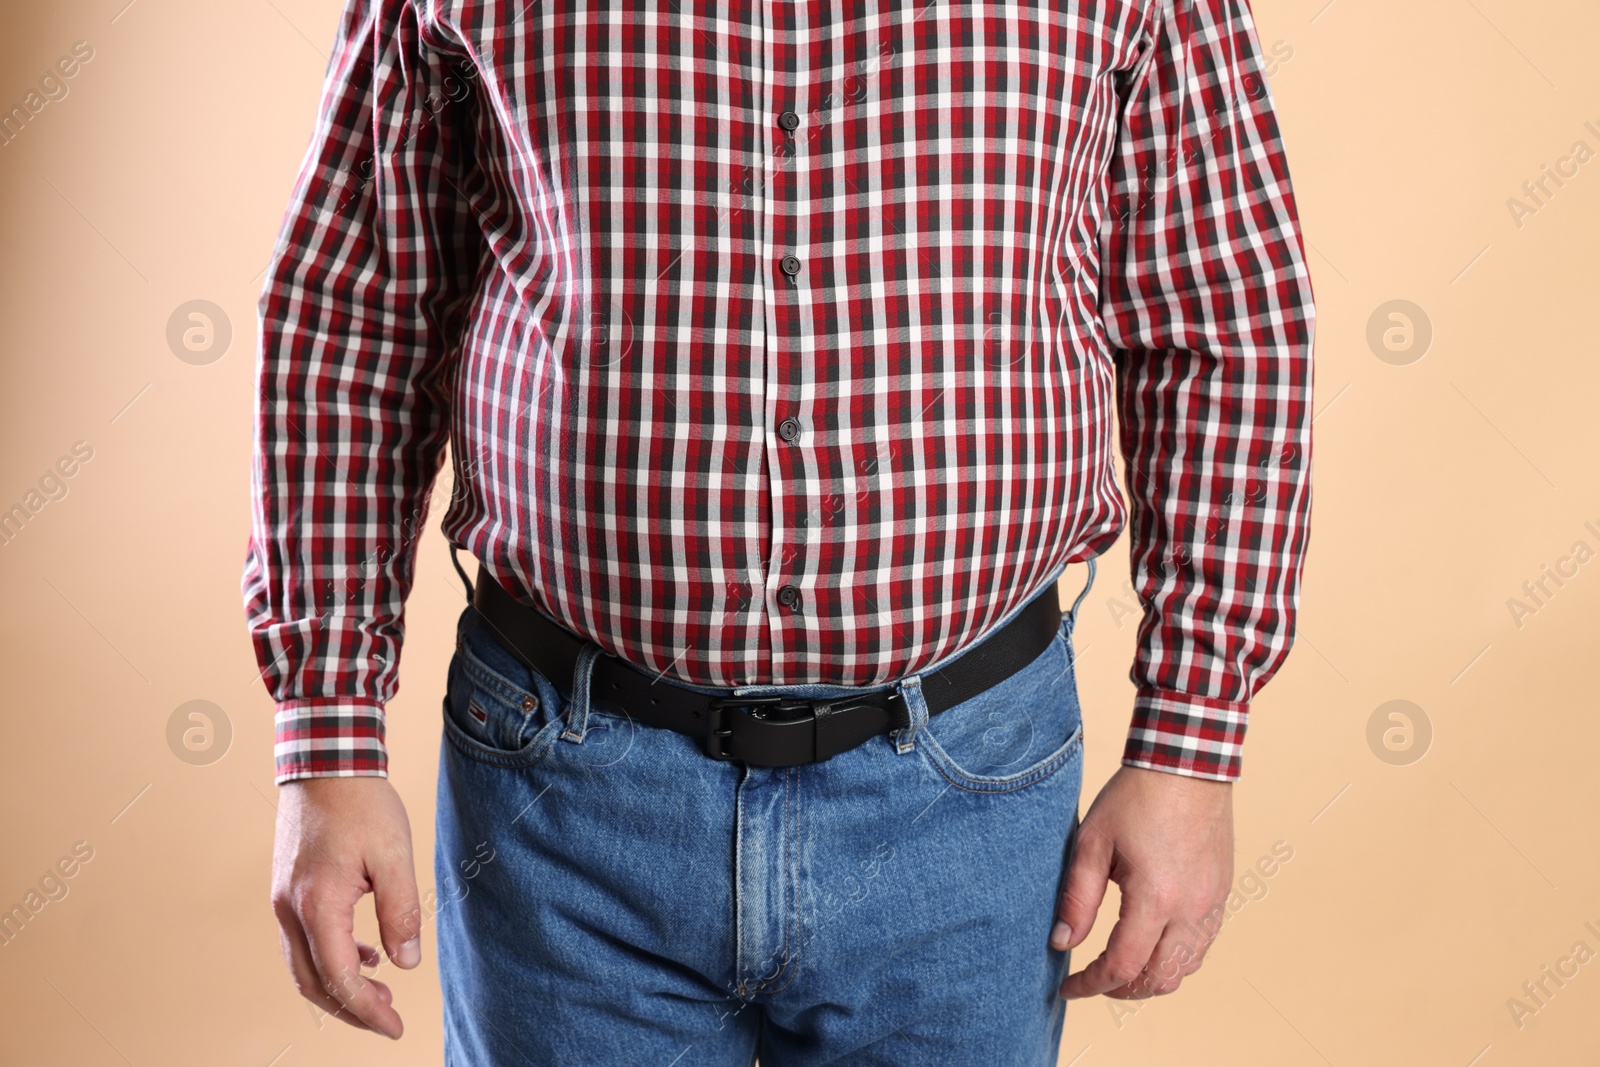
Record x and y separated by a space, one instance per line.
832 729
718 730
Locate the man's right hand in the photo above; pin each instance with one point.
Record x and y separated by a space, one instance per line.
337 840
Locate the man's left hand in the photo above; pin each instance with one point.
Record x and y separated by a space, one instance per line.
1167 841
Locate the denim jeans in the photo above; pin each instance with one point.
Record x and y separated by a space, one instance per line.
608 894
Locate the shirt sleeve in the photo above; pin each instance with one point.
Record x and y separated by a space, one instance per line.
1207 304
359 316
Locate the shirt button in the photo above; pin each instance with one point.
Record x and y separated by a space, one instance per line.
790 265
788 120
789 429
789 596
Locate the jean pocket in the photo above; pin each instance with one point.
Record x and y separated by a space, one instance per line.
496 709
1013 735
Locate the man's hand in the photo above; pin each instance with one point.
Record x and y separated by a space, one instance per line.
1167 841
339 839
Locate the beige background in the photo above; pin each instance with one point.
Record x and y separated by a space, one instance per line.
1419 897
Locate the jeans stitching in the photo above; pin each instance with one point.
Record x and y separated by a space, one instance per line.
792 894
483 674
947 768
516 759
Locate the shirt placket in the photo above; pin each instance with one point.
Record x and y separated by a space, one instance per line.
787 574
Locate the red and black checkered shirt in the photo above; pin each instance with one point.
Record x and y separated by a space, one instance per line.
780 342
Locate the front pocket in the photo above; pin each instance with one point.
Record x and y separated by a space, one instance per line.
1014 735
524 756
491 718
961 778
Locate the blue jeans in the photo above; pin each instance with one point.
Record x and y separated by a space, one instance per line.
608 894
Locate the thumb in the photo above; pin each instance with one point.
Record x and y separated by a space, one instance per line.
1087 876
394 888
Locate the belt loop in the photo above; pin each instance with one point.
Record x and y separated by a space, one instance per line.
917 708
578 706
1087 585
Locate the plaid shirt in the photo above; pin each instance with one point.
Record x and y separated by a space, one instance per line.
780 342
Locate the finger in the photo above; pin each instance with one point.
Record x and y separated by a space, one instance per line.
370 957
1175 956
1202 933
297 953
328 927
1128 949
1087 876
1180 952
394 883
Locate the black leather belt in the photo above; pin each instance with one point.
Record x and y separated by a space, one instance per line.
763 731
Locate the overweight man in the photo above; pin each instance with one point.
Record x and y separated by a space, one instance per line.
778 349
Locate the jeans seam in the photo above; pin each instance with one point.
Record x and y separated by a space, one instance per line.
482 674
792 894
947 769
473 749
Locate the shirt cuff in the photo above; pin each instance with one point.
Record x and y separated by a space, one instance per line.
1184 734
330 738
